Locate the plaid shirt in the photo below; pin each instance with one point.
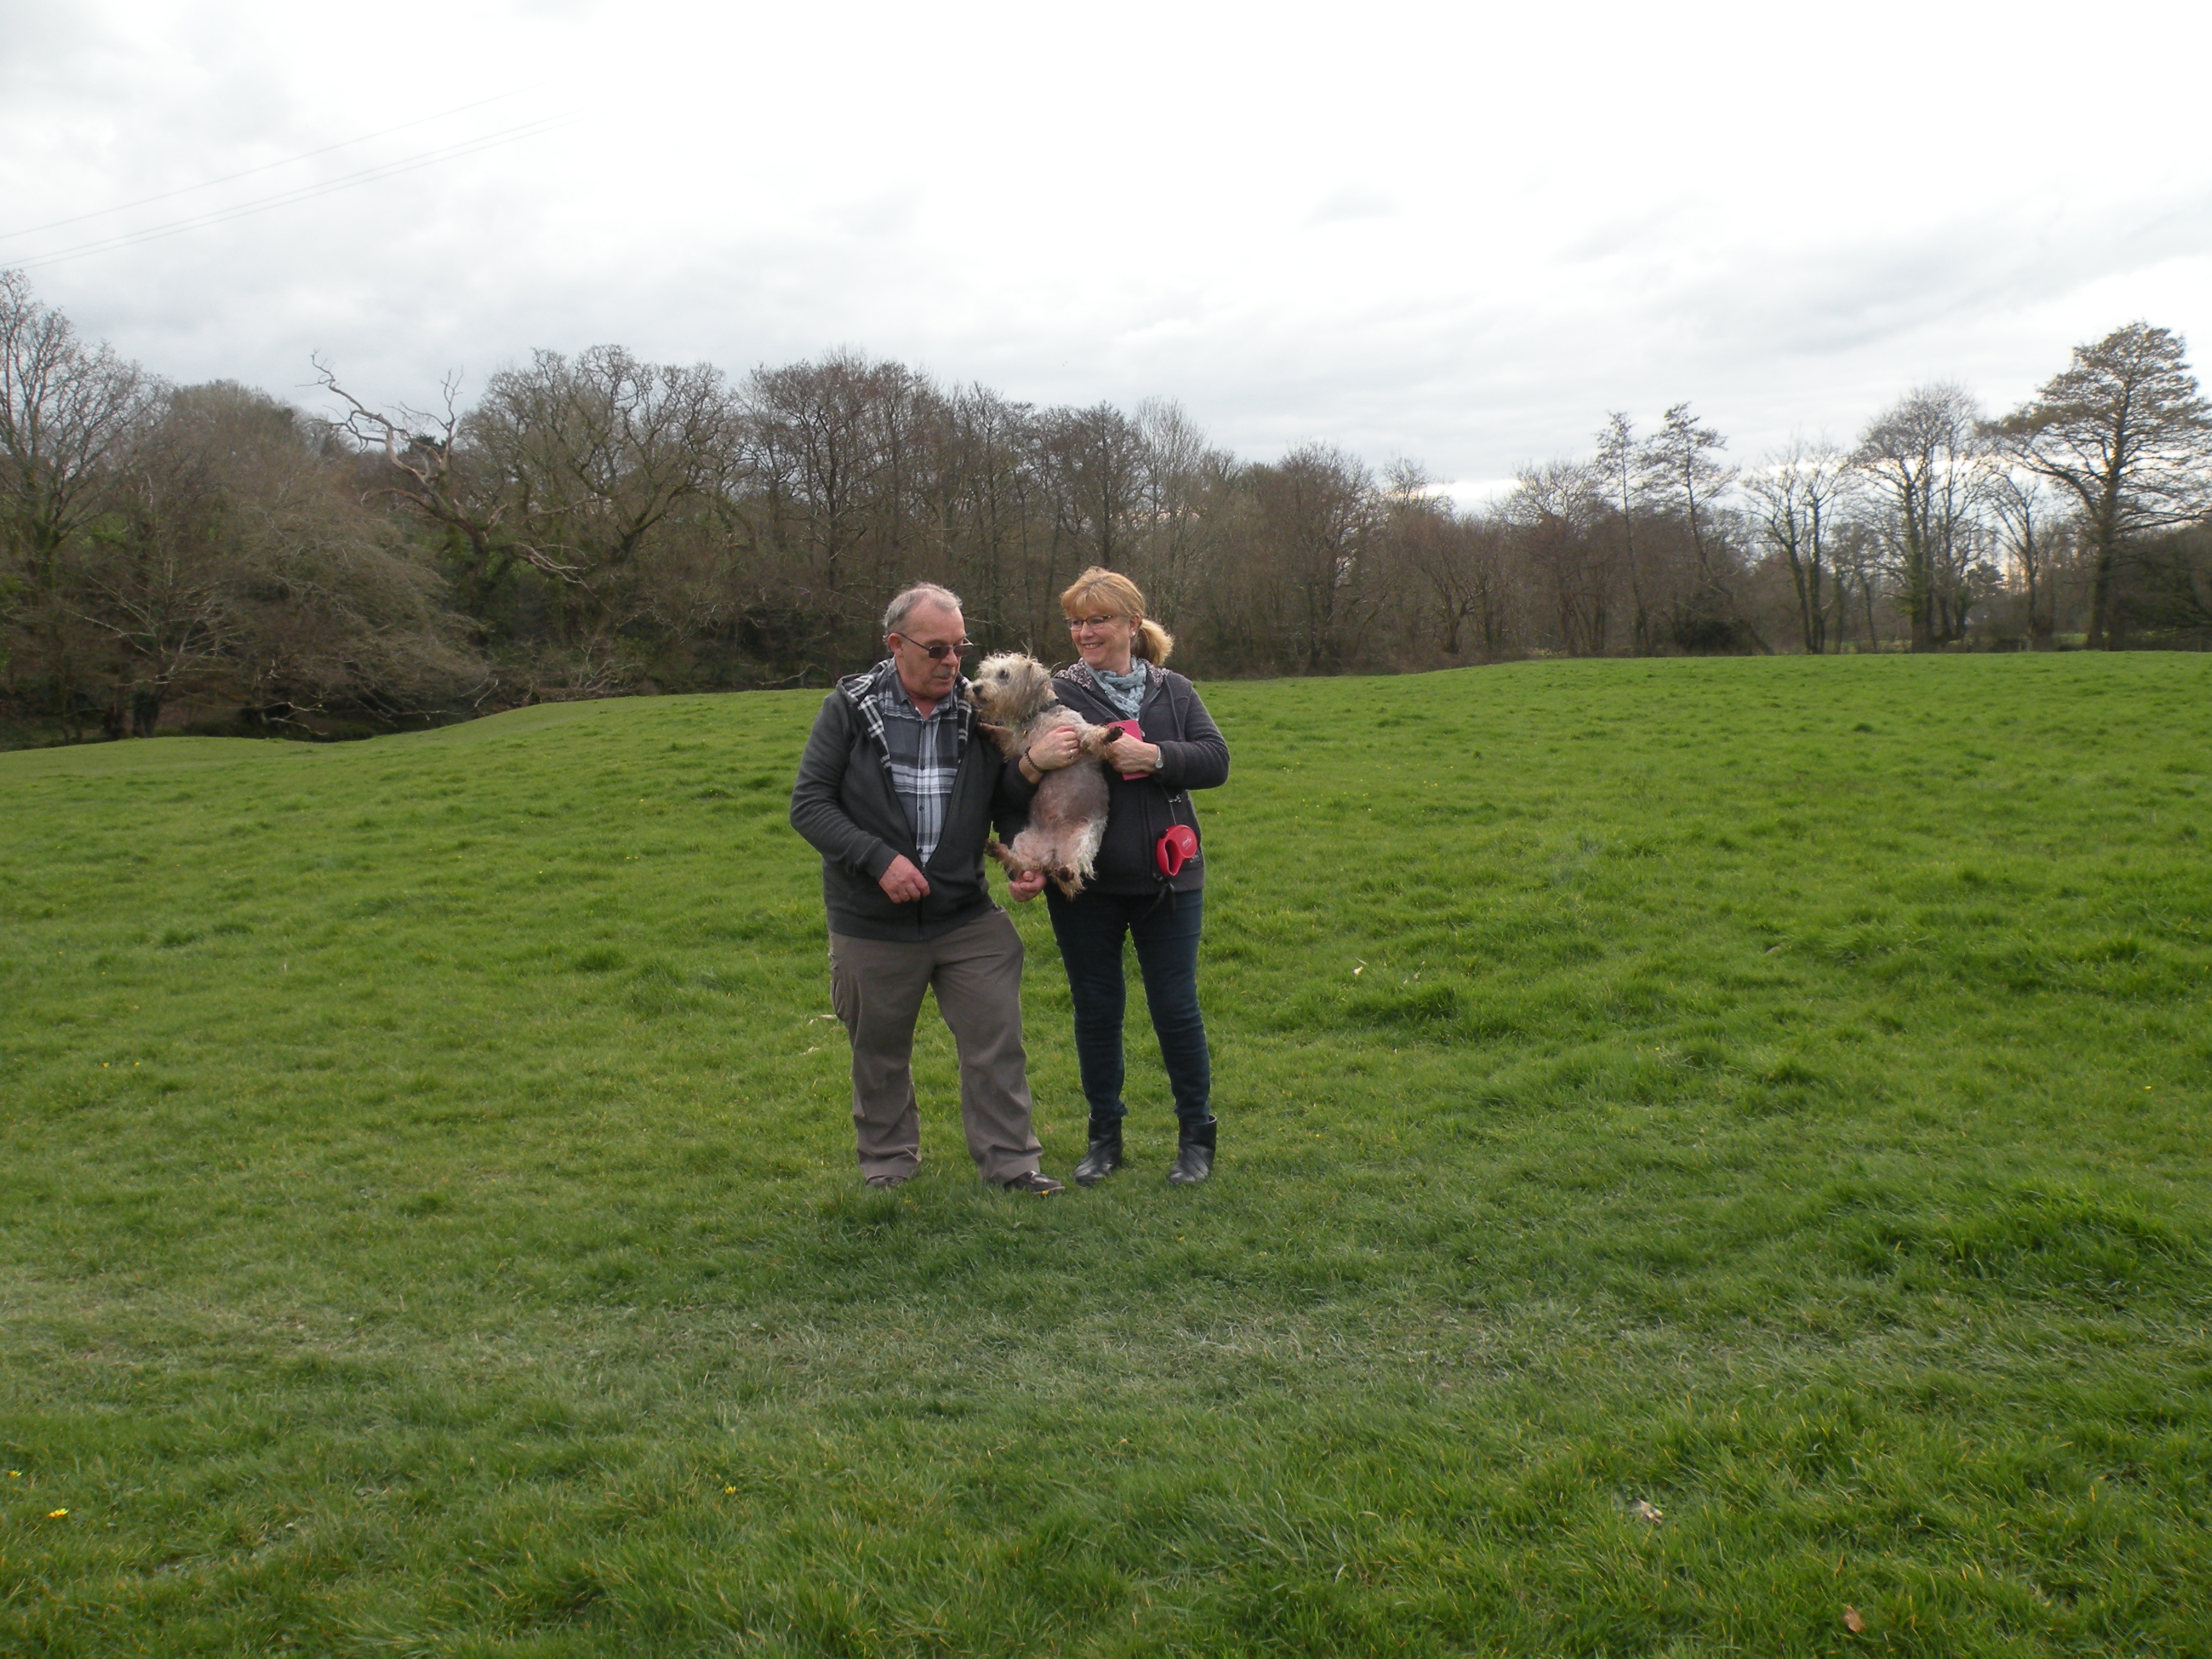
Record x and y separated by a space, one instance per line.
923 755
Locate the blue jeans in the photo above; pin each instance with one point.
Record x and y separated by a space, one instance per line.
1090 929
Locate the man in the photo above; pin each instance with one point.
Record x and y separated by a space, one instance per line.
897 790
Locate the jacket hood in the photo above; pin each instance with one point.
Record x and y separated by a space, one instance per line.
860 687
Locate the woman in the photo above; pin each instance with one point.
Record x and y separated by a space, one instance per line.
1137 892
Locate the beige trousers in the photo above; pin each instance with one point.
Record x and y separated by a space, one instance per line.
876 986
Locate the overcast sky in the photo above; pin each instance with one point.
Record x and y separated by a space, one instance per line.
1460 233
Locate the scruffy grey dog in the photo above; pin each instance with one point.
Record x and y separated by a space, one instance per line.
1067 820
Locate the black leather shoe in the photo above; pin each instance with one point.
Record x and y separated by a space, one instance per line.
1194 1153
1033 1181
1105 1154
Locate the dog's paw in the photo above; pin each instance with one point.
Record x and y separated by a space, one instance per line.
1012 862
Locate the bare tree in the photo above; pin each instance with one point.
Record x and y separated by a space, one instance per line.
1857 557
607 524
2034 535
1794 497
597 456
979 494
429 468
237 559
1921 456
1683 473
166 586
1457 560
1685 480
830 447
1315 511
347 615
1180 480
2124 432
66 411
1621 462
1554 510
1092 464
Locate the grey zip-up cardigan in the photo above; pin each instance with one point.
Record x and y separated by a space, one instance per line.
843 803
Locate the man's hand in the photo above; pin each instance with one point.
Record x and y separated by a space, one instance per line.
1026 886
902 882
1128 754
1056 748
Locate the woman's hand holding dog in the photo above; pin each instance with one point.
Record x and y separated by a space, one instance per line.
1063 746
1055 749
1128 754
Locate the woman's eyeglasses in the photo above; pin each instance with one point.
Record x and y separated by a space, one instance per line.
939 653
1077 625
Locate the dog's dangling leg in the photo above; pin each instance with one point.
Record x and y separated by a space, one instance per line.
1012 862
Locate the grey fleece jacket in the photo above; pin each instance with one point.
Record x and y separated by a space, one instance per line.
843 803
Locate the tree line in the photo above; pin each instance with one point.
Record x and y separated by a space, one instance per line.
595 524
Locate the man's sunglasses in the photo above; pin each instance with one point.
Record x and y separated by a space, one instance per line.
939 653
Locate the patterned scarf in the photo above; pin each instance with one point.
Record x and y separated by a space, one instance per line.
1125 691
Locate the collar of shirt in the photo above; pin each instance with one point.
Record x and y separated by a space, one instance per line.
897 700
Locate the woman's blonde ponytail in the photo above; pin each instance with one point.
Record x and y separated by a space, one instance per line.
1153 642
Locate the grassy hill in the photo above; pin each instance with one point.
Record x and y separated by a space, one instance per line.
1766 1096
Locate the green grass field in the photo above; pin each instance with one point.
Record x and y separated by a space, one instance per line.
1771 1095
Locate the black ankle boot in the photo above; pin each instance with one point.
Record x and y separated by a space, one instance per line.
1194 1153
1105 1154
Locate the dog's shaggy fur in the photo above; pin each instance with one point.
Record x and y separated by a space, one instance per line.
1015 703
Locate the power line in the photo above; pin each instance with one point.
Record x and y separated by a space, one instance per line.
286 198
266 167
